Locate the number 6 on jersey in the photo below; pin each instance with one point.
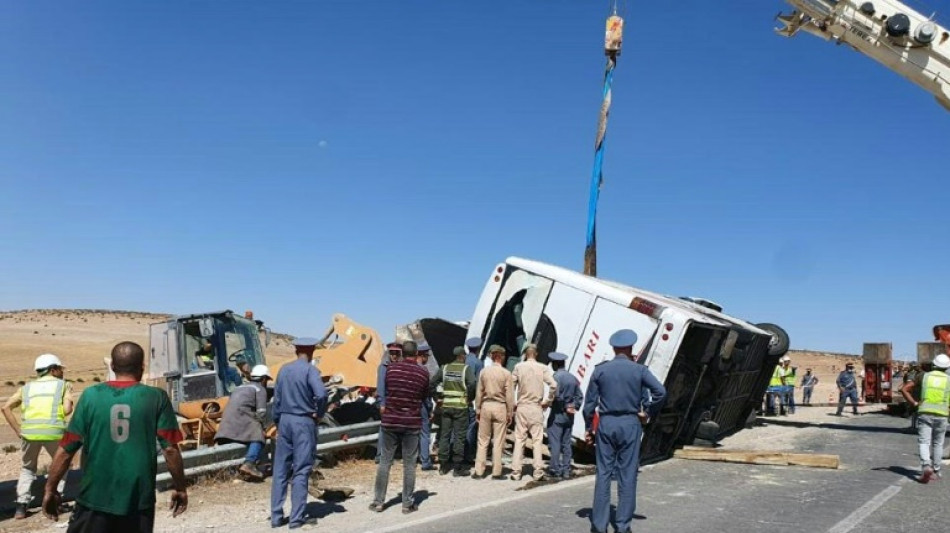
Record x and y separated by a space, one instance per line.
119 422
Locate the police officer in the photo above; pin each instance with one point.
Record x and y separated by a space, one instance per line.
45 403
458 383
425 434
474 363
300 399
933 408
566 402
624 394
847 389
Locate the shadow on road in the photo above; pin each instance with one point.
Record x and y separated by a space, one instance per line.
323 509
899 470
418 497
586 511
846 427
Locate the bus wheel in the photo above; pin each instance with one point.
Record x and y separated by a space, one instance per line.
779 343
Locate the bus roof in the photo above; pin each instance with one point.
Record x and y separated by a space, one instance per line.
623 294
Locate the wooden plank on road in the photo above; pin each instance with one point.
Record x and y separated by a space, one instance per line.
759 457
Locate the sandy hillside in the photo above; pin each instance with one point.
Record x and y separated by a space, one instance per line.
826 367
81 338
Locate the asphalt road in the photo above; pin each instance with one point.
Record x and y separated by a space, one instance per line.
874 490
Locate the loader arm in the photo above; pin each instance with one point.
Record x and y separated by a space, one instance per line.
349 349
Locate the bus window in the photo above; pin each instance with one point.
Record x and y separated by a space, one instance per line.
518 311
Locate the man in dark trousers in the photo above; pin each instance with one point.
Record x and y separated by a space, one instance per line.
624 394
847 389
117 425
458 384
567 401
407 387
300 400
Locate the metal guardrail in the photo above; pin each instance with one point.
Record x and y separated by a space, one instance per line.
215 458
209 459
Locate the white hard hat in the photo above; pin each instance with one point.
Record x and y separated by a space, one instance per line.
942 361
786 359
260 371
45 361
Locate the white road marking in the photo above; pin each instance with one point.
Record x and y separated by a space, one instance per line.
852 520
485 505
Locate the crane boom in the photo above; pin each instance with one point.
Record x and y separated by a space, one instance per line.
888 31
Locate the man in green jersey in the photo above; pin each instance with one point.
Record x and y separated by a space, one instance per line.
117 424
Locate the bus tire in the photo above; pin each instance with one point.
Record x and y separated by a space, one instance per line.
779 344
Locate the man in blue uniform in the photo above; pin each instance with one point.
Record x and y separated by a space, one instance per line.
847 389
428 409
567 401
393 355
300 399
624 394
475 365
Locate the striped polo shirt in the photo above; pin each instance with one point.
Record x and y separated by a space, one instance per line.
407 386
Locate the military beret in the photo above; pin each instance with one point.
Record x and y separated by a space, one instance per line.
557 356
623 338
474 342
458 350
496 349
305 341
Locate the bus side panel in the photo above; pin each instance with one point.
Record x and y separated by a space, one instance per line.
605 318
566 313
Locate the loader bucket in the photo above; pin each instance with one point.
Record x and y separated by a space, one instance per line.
349 349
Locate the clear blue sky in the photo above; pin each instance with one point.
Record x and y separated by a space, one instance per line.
379 158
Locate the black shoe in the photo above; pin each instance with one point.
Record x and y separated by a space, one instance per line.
461 472
20 513
411 509
445 468
280 523
499 478
427 467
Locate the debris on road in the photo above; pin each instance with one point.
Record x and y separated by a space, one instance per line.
771 458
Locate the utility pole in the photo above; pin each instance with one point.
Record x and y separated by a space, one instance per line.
613 41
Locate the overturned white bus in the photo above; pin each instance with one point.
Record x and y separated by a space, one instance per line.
715 367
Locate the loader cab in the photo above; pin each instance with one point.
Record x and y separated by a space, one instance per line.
203 356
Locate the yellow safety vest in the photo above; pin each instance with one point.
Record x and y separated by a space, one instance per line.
790 378
777 377
935 394
44 416
455 393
